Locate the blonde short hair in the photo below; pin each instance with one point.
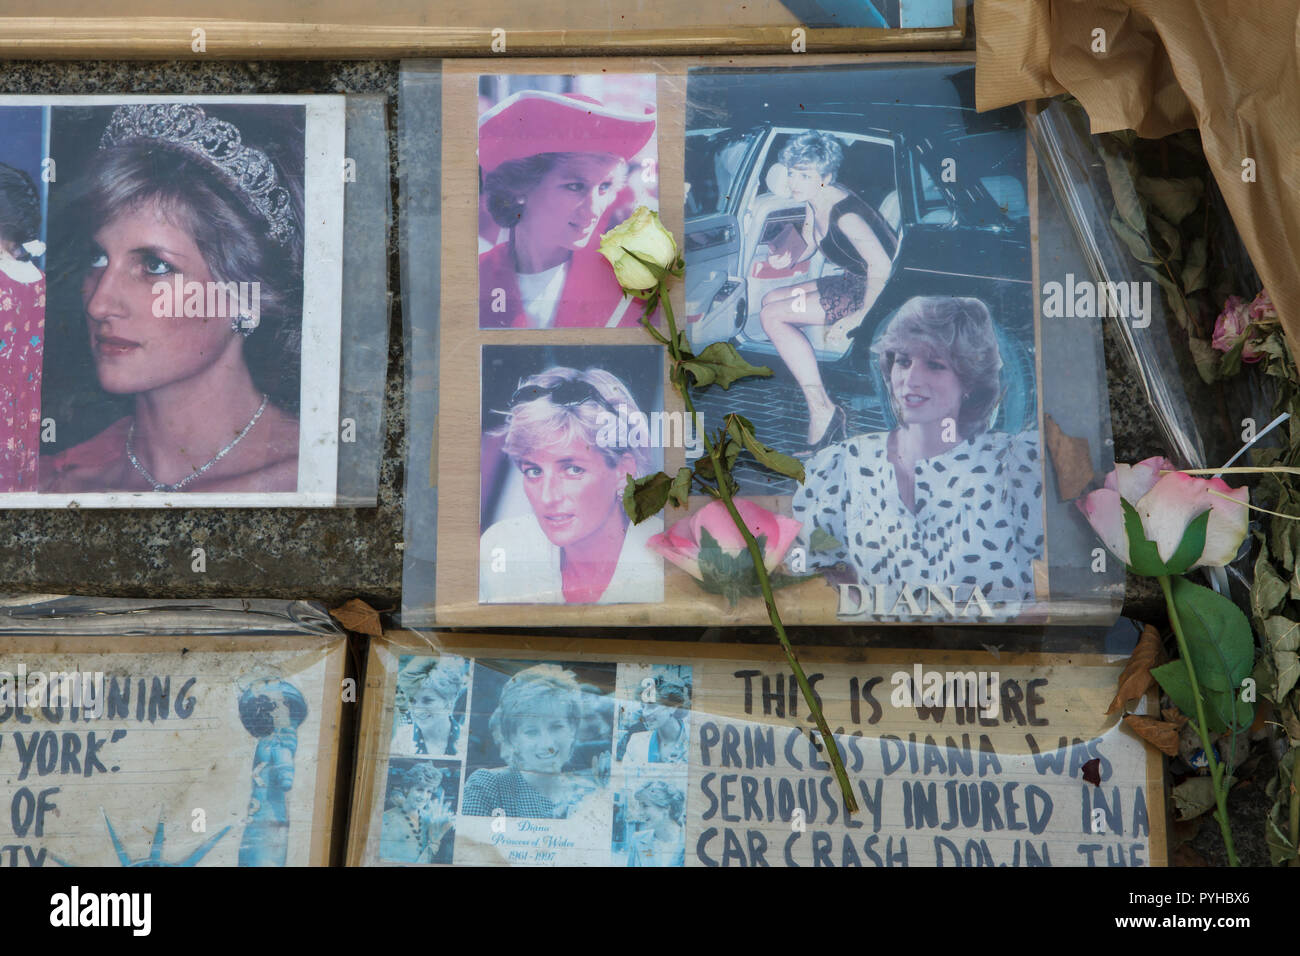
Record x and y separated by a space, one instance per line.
541 423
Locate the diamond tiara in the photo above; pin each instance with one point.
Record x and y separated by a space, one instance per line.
186 127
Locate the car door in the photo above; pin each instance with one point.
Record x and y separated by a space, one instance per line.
718 164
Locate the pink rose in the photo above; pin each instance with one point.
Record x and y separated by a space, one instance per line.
1232 323
681 543
1166 505
1262 309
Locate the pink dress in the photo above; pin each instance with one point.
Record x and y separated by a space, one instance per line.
22 344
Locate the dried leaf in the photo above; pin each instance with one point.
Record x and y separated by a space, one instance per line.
720 364
1288 672
742 430
1194 271
1169 238
1206 359
1174 716
644 497
1175 199
1193 797
1128 205
1269 590
1092 771
357 615
1158 733
680 491
1072 460
1136 679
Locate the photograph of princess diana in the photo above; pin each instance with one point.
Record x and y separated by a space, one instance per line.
883 271
174 243
429 709
562 159
533 752
419 821
562 429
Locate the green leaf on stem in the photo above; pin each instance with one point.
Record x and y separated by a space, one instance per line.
720 364
680 490
1219 638
1172 678
683 348
644 497
741 429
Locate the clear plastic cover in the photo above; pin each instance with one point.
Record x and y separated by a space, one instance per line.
185 324
521 751
973 242
171 733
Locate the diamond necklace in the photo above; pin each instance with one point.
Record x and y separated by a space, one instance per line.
158 485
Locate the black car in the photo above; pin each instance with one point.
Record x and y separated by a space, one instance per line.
950 183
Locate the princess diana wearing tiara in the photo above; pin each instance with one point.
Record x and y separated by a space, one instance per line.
175 196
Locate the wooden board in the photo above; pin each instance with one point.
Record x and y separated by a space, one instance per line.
756 790
455 455
338 28
168 768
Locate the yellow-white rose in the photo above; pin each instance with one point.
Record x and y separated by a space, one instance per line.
643 234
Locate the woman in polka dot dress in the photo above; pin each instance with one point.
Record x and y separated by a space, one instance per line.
940 501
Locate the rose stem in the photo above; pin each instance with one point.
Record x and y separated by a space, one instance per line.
1217 775
756 556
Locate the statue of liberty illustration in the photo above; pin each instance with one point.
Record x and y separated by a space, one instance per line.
271 709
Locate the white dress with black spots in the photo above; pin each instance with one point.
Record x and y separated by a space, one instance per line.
978 519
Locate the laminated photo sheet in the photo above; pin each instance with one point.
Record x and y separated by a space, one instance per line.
172 308
488 750
251 28
871 190
194 750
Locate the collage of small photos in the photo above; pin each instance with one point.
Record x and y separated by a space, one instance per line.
569 764
826 238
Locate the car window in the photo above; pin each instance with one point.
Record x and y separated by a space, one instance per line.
930 203
714 161
1009 193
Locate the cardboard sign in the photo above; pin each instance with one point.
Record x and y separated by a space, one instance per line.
506 751
169 751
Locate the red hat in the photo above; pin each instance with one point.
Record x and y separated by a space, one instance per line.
531 122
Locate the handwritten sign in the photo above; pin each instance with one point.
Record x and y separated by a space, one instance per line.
168 751
661 754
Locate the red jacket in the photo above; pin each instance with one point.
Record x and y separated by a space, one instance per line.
590 297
